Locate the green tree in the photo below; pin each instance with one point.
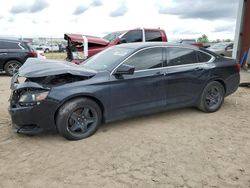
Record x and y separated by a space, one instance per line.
203 39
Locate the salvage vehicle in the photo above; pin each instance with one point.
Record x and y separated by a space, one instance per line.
222 48
13 53
120 82
81 47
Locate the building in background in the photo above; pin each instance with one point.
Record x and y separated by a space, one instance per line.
242 32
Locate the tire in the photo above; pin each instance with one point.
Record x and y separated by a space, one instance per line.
46 50
212 97
11 67
78 119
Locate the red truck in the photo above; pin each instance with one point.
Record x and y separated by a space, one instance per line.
81 47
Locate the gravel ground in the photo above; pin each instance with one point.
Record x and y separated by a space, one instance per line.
178 148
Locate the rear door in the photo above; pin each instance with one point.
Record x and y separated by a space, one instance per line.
3 54
187 73
142 91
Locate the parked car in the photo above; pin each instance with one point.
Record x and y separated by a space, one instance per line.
120 82
13 53
48 48
191 42
94 45
222 48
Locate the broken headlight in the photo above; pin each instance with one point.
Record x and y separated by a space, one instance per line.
32 98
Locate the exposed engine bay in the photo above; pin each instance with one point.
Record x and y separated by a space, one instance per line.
56 80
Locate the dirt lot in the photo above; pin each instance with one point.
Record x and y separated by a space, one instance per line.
179 148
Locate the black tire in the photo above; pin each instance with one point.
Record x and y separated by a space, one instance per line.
46 50
212 97
11 67
78 119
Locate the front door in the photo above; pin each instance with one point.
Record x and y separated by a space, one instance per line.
145 89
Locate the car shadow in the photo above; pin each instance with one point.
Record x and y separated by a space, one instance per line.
155 117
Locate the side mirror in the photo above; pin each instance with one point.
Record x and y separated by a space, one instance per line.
125 69
122 40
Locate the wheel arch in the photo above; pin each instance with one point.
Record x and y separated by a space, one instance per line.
222 83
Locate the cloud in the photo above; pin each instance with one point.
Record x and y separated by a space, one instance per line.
208 10
120 11
224 29
96 3
79 10
11 20
182 31
37 6
16 9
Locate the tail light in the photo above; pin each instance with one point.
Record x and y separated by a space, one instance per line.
238 66
32 54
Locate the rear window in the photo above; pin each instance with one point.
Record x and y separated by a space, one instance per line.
153 36
181 56
12 45
203 57
2 45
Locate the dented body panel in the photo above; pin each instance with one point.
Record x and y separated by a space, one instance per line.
119 96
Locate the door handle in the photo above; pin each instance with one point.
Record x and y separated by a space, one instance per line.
198 69
160 73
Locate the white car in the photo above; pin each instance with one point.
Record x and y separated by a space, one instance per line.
48 48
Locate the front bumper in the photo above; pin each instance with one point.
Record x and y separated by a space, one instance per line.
31 119
34 119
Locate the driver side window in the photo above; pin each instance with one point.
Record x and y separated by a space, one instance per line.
147 59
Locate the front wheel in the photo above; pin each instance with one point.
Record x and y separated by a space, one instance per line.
212 97
78 118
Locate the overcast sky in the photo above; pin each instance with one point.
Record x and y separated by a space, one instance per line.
179 18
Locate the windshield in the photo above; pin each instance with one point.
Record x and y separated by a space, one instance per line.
112 36
219 46
107 59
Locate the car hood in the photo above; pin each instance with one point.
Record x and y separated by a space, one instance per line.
91 39
34 67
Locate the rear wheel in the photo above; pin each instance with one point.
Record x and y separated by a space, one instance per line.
212 97
11 67
78 119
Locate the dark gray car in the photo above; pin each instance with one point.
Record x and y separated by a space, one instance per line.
13 53
120 82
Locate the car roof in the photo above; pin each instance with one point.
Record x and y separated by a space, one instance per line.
10 40
139 45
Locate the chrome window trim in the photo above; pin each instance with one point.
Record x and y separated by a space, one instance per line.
200 63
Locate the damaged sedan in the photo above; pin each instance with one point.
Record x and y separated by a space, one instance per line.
119 82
